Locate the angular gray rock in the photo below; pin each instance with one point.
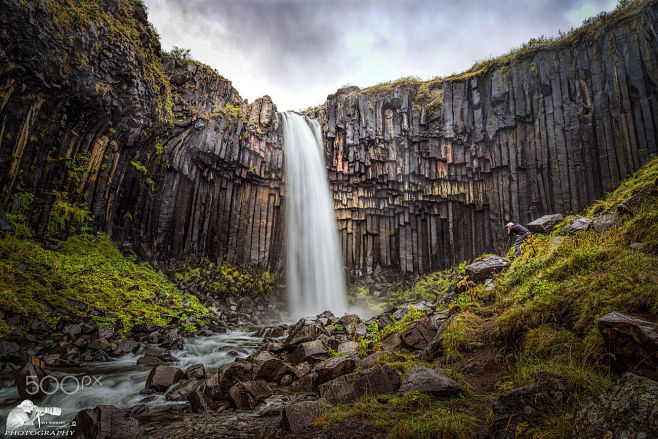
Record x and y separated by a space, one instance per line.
246 395
485 268
195 371
302 332
633 343
603 223
334 367
429 381
200 402
545 223
161 377
232 373
300 415
529 404
311 351
575 225
349 348
378 379
181 391
628 409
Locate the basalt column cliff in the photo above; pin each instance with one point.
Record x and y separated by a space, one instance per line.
425 174
173 163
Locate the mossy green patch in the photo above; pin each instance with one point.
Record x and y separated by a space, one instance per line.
227 280
89 269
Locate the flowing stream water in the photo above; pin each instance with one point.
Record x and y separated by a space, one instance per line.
120 383
315 279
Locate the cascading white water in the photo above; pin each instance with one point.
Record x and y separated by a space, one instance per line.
314 270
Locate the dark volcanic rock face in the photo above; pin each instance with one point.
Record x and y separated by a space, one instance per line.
174 164
166 155
425 175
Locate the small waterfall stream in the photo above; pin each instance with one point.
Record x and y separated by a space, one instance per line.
121 382
315 279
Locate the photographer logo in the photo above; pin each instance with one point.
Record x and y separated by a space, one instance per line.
27 416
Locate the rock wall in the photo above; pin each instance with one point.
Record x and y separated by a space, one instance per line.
175 165
425 174
163 152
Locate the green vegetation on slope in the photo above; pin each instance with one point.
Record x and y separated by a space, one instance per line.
87 268
543 312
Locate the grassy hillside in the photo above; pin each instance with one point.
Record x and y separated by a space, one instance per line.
540 317
39 275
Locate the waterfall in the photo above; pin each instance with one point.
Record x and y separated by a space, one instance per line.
314 269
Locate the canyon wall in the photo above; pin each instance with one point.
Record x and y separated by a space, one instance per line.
426 174
175 165
163 151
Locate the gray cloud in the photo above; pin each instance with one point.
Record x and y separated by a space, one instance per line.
298 51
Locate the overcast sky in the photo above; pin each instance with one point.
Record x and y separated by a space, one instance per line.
299 51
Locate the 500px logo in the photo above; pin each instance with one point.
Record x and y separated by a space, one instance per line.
69 384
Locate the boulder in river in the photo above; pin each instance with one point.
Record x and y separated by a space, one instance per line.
28 376
232 373
181 391
200 402
246 395
161 377
106 422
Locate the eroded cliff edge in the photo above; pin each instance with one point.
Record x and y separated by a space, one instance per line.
174 164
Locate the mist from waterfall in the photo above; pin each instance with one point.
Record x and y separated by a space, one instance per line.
315 280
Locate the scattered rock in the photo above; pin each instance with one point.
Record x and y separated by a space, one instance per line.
305 384
106 422
26 378
378 379
246 395
105 331
9 351
485 268
200 402
603 223
636 246
429 381
334 367
182 390
303 332
196 371
545 224
578 224
300 415
72 330
528 404
271 332
232 373
371 360
349 348
392 342
628 409
633 343
311 351
161 377
632 205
